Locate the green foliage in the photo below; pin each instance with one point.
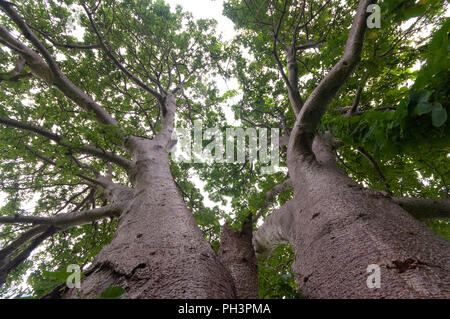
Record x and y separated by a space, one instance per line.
275 278
113 292
441 227
60 276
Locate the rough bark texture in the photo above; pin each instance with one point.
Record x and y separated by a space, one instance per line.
158 250
336 229
237 254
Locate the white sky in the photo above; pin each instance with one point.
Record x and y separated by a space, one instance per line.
210 9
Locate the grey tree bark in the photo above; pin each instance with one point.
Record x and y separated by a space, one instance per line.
238 256
337 229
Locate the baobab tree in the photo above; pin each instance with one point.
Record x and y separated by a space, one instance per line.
94 131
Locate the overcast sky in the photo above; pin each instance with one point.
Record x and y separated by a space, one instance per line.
211 9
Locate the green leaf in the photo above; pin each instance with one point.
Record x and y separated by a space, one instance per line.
113 292
60 275
438 115
423 108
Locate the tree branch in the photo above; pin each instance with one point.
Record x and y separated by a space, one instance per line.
66 45
85 149
270 195
108 52
293 91
323 94
48 70
310 45
49 161
425 208
15 75
377 169
20 241
64 221
271 233
21 257
354 108
168 116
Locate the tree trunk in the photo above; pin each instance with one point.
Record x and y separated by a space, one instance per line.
337 229
237 254
158 250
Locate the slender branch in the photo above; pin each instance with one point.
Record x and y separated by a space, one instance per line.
108 52
22 256
49 161
68 220
293 91
85 149
291 79
15 75
47 69
310 45
376 167
270 196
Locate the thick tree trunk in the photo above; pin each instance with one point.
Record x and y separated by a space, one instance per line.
337 229
158 250
237 254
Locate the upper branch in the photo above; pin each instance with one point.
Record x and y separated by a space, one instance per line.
317 103
47 69
77 46
309 45
108 52
168 116
15 74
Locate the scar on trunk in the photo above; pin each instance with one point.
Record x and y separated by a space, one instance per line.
404 265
